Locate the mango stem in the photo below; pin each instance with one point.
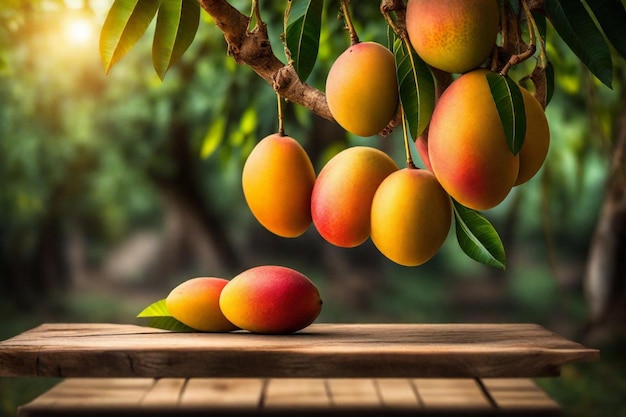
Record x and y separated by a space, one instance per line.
281 121
407 146
530 48
354 38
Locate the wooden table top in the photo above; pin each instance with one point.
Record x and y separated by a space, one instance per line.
321 350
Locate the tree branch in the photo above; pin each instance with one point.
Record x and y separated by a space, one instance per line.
252 48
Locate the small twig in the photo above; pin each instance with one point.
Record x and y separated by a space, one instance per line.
284 34
397 7
407 147
354 38
255 15
531 48
281 119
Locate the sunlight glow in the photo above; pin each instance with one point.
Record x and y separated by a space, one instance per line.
79 32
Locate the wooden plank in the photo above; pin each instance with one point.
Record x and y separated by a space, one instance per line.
84 394
447 394
287 397
515 394
353 393
222 393
165 393
397 393
321 350
296 393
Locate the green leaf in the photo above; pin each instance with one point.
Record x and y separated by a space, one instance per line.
177 24
574 24
162 319
125 23
510 105
416 86
169 323
213 138
391 38
478 238
156 309
542 25
302 34
611 15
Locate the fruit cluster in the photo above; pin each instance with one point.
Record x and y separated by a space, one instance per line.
265 299
361 192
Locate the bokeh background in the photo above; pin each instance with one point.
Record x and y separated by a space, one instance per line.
115 188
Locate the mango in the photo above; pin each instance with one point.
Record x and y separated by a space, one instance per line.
195 302
411 216
467 145
343 192
453 35
362 88
536 141
421 144
271 299
277 181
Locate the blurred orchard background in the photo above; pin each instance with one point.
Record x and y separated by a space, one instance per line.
114 189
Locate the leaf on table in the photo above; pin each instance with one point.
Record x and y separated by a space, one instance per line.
169 323
176 27
124 25
478 238
302 34
510 105
160 318
416 86
577 28
156 309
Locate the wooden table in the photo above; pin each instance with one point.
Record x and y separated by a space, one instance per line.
327 369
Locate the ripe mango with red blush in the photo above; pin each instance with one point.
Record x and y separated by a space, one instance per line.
467 145
271 299
343 193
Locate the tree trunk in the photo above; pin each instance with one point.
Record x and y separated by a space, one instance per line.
194 231
605 274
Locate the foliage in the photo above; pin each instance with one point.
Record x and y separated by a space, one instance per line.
303 24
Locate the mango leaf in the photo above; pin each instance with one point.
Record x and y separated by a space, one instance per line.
391 38
162 319
156 309
169 323
542 25
611 15
176 27
574 24
416 86
125 23
510 105
213 138
550 82
478 238
302 34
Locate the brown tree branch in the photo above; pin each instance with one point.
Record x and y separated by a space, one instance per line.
252 48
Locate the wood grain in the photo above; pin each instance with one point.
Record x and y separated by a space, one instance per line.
321 350
292 396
